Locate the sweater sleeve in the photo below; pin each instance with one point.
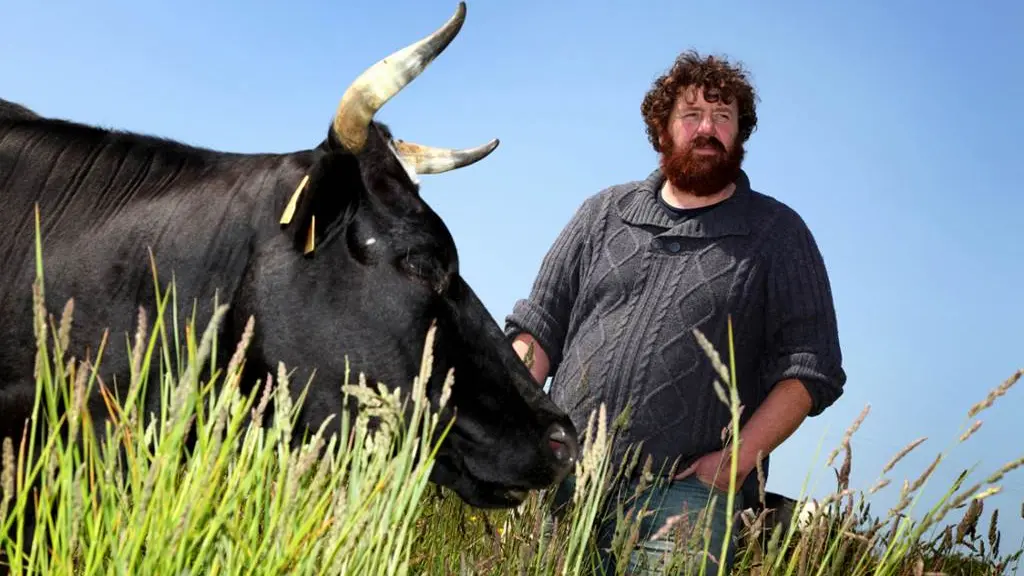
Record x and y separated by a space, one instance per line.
544 314
801 329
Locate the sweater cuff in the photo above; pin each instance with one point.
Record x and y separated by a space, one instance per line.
822 379
532 319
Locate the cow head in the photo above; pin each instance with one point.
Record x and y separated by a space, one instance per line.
364 268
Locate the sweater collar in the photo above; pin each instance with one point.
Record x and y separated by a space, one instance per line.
729 217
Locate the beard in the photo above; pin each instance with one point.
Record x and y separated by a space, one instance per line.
701 174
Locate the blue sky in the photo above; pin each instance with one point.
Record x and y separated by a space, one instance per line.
892 130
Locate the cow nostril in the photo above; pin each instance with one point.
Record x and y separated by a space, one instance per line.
563 445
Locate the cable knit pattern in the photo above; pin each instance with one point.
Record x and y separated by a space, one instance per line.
621 289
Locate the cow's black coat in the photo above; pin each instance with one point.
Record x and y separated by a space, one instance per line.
384 267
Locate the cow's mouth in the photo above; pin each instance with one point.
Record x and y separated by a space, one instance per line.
474 491
510 497
493 496
498 482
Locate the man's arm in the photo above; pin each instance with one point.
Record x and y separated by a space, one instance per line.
541 320
782 412
802 336
803 364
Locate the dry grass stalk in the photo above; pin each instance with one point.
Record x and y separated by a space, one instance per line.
902 453
909 489
968 525
716 359
7 475
849 434
879 485
761 480
1006 468
993 533
970 431
843 475
995 393
925 475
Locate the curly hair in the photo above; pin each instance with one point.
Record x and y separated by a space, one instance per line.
719 80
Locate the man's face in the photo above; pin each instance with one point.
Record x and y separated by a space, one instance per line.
700 151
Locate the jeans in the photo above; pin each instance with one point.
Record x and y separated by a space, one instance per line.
684 499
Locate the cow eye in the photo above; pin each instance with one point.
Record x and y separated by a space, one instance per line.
425 269
418 265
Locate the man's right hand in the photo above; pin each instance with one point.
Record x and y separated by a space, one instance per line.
529 349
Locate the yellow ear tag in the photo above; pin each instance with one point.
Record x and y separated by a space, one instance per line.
289 210
311 236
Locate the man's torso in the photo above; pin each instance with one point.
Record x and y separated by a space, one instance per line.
648 279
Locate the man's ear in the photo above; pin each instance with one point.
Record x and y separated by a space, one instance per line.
324 199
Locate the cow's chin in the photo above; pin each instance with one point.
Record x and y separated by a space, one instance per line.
475 492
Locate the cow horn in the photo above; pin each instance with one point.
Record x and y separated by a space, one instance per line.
378 83
430 160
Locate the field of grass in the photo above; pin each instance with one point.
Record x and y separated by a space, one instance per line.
130 496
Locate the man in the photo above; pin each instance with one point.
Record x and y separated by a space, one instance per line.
640 265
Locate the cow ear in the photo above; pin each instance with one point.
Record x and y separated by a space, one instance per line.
323 202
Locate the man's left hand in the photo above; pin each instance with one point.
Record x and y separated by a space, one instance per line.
713 470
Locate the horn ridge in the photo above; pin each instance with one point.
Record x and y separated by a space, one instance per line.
431 160
388 76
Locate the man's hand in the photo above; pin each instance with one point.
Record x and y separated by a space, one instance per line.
778 417
530 350
713 469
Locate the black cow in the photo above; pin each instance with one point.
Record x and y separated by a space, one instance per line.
331 249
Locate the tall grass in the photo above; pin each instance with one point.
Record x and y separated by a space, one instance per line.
835 536
136 495
211 486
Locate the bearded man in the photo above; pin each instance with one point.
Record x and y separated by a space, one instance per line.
640 265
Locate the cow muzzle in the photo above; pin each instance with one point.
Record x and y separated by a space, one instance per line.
565 448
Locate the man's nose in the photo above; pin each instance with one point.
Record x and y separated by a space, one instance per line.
706 126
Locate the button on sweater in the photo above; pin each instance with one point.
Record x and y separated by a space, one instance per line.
620 291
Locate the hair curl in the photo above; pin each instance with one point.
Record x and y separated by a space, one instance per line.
718 78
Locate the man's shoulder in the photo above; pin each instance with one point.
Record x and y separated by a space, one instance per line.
618 193
770 214
781 228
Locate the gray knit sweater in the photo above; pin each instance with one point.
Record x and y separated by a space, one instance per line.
624 284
